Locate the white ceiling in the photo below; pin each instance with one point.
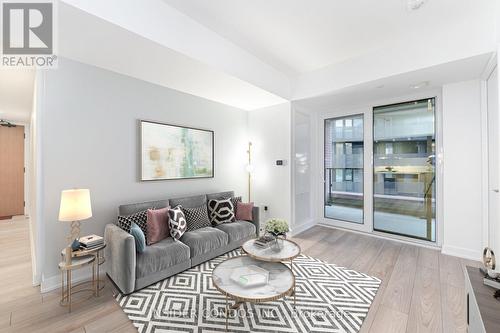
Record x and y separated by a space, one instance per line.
16 94
399 85
298 36
113 47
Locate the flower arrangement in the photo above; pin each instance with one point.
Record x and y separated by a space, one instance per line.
277 226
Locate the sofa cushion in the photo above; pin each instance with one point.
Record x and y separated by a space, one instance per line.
176 222
220 211
139 237
140 218
189 202
157 225
160 256
234 201
204 240
244 211
238 230
196 218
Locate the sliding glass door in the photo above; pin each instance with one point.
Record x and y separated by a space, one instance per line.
380 170
404 186
344 148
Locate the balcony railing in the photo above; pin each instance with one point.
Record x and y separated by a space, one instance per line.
352 161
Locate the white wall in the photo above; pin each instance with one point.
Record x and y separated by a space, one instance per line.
90 140
462 201
271 184
34 181
305 169
460 214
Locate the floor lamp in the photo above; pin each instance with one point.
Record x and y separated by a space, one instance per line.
249 169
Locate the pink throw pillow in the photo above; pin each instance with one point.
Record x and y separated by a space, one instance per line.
244 211
157 225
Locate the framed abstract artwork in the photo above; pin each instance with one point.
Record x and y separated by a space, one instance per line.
175 152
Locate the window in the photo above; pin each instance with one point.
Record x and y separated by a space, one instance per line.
344 168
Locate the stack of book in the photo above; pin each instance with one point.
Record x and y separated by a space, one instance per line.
264 241
91 242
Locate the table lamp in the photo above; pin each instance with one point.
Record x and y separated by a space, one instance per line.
75 207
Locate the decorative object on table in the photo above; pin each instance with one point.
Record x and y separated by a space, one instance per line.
278 228
249 169
250 276
244 211
75 207
91 242
75 245
490 276
221 211
489 261
177 222
175 152
313 277
157 225
264 241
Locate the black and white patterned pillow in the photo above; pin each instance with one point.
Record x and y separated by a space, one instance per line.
139 218
234 201
177 222
196 218
220 211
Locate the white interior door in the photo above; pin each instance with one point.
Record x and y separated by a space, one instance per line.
493 162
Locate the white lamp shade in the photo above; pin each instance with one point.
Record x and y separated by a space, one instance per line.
75 205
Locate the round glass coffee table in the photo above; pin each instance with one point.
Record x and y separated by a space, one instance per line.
288 251
245 279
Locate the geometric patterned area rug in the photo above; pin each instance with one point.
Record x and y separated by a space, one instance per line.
328 299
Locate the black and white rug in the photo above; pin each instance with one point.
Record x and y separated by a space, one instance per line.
328 299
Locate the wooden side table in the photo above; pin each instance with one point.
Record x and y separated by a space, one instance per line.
79 259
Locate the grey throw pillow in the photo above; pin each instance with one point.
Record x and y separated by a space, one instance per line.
220 211
196 218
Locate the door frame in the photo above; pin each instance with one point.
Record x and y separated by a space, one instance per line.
367 110
26 157
488 235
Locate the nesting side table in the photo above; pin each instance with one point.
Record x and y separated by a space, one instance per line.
80 259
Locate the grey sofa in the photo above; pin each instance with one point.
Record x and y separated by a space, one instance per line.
132 271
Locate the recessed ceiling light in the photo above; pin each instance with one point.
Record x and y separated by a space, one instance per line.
415 4
419 85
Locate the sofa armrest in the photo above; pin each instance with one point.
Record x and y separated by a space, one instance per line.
121 258
256 219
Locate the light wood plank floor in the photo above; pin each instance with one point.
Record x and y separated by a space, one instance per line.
422 290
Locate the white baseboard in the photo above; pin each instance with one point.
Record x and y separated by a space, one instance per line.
462 252
302 227
54 282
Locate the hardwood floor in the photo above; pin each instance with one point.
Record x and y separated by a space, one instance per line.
421 291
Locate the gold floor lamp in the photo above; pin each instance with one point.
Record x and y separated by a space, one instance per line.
249 169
